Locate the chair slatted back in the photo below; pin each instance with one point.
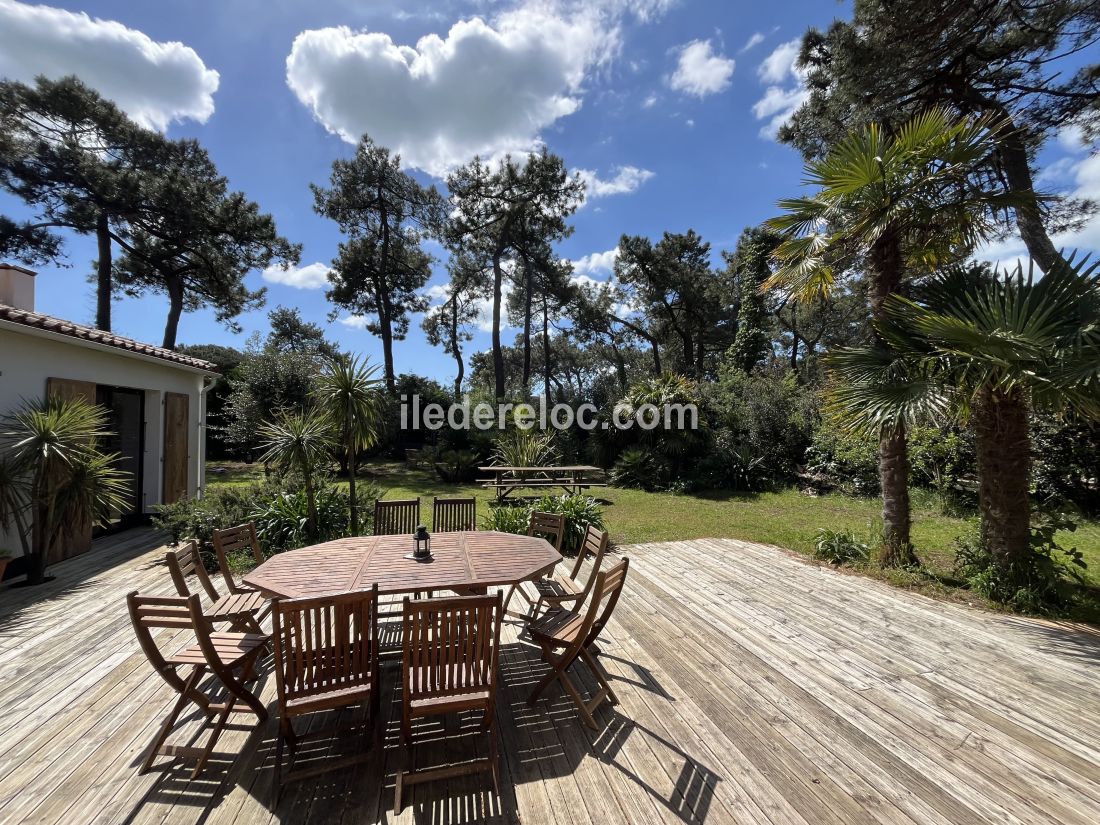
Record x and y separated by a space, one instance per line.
185 561
397 517
605 595
450 515
551 526
325 644
451 645
153 612
596 542
233 540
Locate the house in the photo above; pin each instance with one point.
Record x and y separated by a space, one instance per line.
156 397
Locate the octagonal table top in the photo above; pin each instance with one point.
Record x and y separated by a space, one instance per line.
463 560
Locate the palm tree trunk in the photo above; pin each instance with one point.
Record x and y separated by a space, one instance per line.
893 470
311 504
349 446
1004 461
885 263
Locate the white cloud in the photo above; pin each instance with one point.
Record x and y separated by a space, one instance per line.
701 72
624 180
786 90
755 40
354 321
593 264
650 101
155 83
483 88
312 276
778 65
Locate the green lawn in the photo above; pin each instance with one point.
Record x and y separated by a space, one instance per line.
787 518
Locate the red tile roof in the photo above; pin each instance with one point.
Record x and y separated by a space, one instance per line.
62 327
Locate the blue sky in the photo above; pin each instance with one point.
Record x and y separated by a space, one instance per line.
667 105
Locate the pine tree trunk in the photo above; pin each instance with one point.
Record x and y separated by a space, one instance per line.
385 329
893 464
1003 444
498 353
103 273
527 312
546 347
175 310
456 350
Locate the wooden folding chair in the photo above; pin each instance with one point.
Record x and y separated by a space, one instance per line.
576 631
451 515
396 517
243 611
449 664
230 657
551 526
326 657
565 591
232 540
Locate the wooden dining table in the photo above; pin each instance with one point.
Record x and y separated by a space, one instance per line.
468 561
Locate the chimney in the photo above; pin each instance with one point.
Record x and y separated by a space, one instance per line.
17 287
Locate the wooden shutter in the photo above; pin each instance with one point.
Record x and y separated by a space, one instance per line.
77 538
66 389
175 446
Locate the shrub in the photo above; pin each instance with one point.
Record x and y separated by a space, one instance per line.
1043 583
640 469
837 460
579 511
730 465
1066 458
840 547
220 507
455 466
767 414
282 521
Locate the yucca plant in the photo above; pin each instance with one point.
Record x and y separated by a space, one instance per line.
349 394
54 476
300 441
525 448
901 205
988 347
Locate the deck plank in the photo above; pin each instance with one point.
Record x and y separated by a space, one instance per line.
755 688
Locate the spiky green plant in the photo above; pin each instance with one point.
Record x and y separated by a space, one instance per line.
350 396
300 441
56 476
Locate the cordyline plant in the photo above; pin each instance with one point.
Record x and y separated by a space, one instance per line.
301 441
54 480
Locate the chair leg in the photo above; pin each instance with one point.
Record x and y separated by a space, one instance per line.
600 674
547 680
578 700
277 779
219 726
170 721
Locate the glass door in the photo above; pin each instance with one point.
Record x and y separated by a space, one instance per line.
126 408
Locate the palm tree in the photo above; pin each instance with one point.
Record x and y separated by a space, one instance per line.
898 206
348 392
988 347
54 475
300 441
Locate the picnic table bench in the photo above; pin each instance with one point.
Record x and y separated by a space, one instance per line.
571 478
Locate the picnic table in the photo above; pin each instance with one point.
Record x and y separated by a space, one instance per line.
572 478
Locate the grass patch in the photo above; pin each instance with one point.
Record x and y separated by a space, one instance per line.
786 518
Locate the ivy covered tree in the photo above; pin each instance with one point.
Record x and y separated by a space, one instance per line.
751 270
381 268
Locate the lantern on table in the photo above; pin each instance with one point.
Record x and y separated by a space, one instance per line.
423 543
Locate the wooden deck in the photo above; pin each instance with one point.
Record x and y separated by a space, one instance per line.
754 687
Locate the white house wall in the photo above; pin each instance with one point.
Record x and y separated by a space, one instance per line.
27 360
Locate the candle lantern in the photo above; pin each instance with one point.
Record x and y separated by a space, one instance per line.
423 542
